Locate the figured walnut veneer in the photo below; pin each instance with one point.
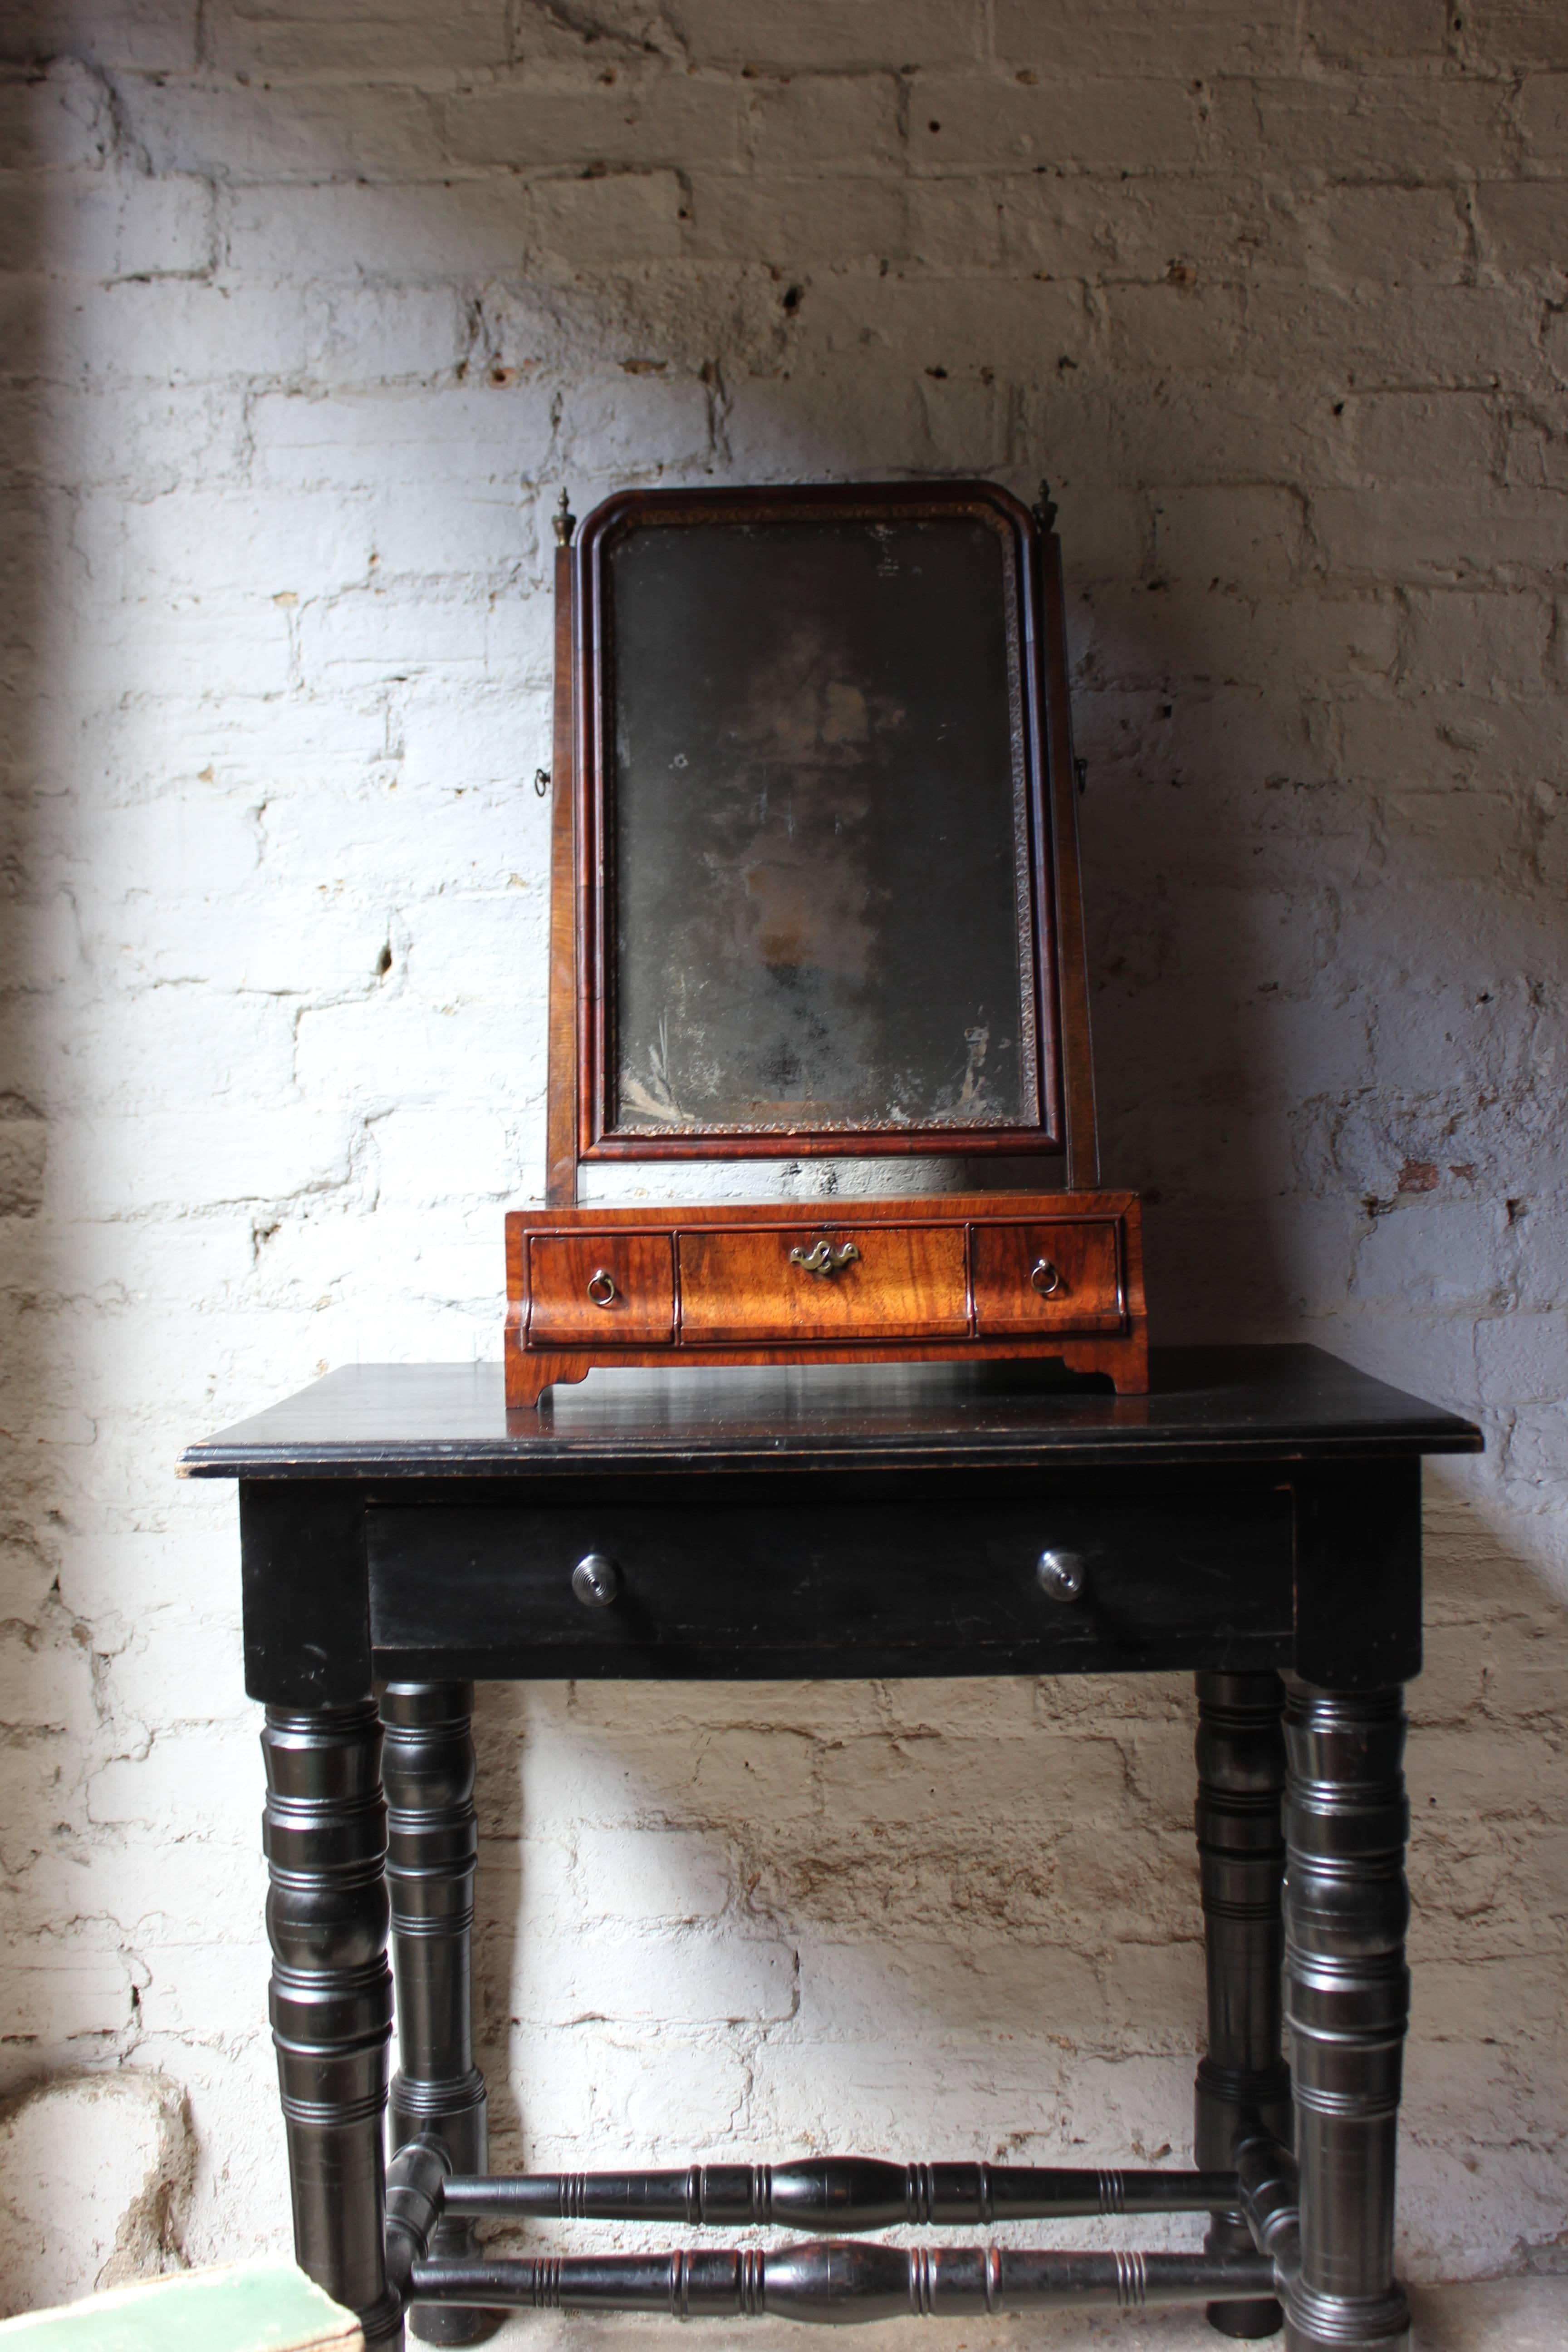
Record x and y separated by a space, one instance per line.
982 1276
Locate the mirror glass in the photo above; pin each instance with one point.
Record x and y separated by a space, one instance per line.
817 827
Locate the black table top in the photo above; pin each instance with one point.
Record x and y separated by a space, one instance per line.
1206 1404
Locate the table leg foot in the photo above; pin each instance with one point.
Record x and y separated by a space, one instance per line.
324 1834
433 1848
1347 1994
1241 1857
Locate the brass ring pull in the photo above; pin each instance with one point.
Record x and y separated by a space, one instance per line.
824 1257
602 1287
1046 1279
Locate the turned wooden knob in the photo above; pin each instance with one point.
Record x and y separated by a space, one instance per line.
595 1580
1061 1575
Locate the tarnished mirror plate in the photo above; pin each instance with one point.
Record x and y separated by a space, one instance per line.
815 827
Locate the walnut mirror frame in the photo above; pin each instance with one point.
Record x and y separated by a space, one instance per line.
813 773
815 889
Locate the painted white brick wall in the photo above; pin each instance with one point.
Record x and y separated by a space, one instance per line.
311 306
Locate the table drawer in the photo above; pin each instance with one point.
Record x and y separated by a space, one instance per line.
874 1282
767 1589
1047 1277
604 1290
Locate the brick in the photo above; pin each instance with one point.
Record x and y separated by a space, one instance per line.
966 423
244 135
1471 338
145 1789
1340 31
1226 536
825 123
1515 1356
620 217
697 1976
828 35
1386 127
1218 37
925 322
883 1781
825 424
184 332
97 223
799 224
646 2095
1518 32
59 119
1412 436
1446 1258
167 228
1544 117
385 335
756 1774
1391 235
1523 1682
1394 534
849 1995
300 36
140 35
391 1052
642 1875
645 120
1076 122
1479 643
1147 227
467 229
477 435
1524 224
1450 738
1534 457
1173 329
227 646
640 423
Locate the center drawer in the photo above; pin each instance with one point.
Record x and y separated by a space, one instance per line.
769 1588
821 1283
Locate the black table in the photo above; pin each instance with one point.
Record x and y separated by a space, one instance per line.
1255 1519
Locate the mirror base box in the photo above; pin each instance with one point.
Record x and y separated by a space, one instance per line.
940 1278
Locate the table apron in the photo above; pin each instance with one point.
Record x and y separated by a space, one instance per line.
826 1588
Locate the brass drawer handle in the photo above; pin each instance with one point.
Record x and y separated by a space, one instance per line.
824 1257
602 1287
1046 1279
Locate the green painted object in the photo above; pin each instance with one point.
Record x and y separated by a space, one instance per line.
242 2307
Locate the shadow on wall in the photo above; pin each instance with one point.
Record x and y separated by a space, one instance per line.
95 2166
737 1919
279 659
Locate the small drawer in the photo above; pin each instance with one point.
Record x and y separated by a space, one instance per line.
691 1589
604 1290
822 1283
1047 1277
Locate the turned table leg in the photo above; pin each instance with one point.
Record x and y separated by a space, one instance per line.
1241 1855
432 1844
1347 2000
324 1833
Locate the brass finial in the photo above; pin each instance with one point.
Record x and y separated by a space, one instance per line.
565 521
1046 507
